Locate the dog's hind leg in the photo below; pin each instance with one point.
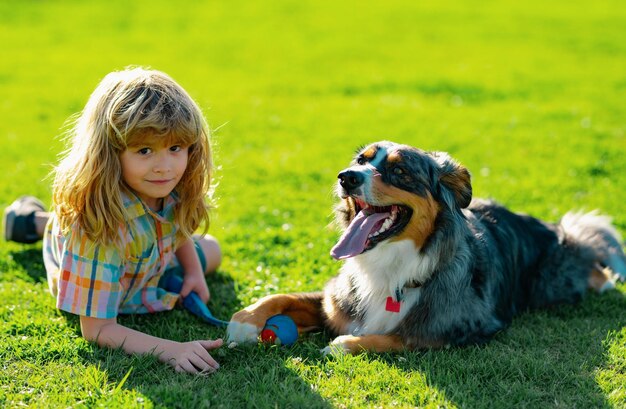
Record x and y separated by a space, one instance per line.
601 279
596 233
303 308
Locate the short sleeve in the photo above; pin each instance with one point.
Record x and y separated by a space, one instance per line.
89 277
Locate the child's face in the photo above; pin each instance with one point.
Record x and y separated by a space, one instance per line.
153 169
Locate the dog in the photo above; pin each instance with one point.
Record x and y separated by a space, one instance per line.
425 266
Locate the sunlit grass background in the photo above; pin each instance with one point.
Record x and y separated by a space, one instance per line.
528 95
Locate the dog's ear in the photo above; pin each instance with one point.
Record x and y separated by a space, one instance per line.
455 177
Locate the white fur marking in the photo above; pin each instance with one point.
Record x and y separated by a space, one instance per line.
241 332
379 272
336 348
609 285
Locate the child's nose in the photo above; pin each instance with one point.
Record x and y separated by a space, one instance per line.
162 163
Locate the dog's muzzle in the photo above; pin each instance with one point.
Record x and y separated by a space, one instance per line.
351 179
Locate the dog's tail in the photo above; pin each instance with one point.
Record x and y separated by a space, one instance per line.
596 232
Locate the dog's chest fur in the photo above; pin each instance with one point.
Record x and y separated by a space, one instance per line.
391 269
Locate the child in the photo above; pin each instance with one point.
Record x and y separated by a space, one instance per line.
128 195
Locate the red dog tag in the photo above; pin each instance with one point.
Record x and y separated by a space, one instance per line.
392 306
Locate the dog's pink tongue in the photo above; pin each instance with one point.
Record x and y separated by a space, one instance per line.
352 243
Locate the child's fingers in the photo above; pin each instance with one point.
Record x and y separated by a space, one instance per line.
204 361
185 366
204 294
203 353
211 343
196 365
199 287
186 289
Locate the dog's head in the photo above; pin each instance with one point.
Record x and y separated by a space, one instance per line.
394 192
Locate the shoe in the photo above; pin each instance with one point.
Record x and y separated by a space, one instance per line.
19 220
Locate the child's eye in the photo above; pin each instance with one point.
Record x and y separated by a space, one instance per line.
176 148
144 151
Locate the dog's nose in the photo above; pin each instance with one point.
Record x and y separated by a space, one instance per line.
349 179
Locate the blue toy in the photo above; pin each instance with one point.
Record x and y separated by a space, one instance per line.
192 302
281 330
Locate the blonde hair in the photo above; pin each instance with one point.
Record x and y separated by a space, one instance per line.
124 107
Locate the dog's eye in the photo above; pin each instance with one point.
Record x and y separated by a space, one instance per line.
360 160
398 171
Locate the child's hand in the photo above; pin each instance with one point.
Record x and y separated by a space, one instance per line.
195 282
193 356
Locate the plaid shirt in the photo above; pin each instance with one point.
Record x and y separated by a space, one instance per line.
98 281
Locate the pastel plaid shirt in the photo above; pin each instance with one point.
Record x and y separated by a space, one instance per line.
100 281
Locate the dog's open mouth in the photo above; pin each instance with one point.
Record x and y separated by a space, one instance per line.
370 226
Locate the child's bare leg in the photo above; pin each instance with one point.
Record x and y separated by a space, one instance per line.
212 252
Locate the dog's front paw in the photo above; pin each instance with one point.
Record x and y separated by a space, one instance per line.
241 332
244 326
339 346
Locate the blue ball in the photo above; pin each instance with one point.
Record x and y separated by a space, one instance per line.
280 329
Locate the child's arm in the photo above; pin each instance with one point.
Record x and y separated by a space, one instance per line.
193 279
192 357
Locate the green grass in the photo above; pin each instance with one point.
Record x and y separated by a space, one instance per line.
528 95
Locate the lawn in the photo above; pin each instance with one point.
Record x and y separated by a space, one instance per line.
528 95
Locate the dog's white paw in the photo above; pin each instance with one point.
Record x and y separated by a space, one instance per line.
337 347
241 332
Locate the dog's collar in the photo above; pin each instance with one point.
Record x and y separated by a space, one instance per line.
412 284
399 293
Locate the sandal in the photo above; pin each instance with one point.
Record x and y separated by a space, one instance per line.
19 220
